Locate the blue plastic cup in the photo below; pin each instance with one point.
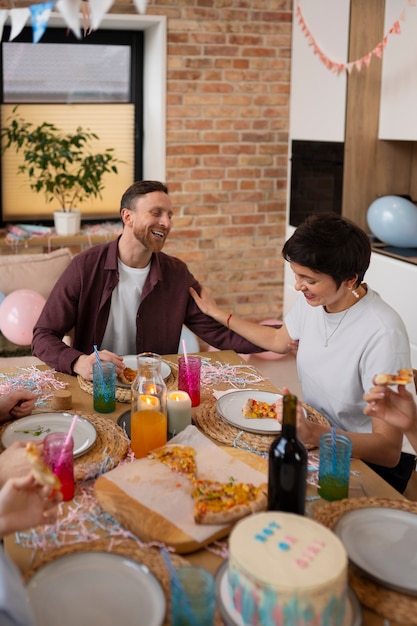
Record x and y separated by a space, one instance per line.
193 603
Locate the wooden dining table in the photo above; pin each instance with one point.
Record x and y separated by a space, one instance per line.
364 482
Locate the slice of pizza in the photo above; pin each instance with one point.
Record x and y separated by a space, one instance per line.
179 458
255 409
226 503
42 473
128 375
404 377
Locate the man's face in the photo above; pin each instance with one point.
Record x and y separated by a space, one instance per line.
151 220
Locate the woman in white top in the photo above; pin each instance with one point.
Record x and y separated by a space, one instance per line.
346 335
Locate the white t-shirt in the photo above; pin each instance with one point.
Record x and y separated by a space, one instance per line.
120 333
370 339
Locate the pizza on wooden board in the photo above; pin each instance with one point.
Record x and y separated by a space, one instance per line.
225 503
404 377
180 459
42 473
255 409
214 502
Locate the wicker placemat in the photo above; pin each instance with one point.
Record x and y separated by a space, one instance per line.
386 602
209 422
123 394
110 447
149 556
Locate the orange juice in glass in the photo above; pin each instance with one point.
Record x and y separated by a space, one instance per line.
148 411
148 430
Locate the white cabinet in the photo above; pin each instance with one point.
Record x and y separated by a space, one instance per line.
397 118
318 96
395 282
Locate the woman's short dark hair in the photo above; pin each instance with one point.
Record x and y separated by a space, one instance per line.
330 244
140 188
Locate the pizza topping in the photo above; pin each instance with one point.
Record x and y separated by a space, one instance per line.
404 377
260 410
180 459
128 375
42 473
224 503
214 502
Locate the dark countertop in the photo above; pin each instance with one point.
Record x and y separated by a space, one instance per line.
409 255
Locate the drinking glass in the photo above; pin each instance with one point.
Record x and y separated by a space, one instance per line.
60 459
193 603
189 372
104 387
334 466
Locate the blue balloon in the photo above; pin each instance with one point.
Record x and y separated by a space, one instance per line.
394 221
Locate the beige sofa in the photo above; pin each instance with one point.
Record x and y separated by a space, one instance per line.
38 272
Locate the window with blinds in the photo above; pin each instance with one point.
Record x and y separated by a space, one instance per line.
95 83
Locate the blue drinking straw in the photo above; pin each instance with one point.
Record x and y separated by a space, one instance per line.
334 463
106 396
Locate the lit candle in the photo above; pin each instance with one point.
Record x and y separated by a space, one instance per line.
179 411
148 403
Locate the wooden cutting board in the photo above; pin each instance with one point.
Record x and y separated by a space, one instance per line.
155 503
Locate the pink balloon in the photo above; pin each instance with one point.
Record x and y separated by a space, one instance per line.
19 312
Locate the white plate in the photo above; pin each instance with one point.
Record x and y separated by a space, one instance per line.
382 543
233 618
37 426
230 405
131 361
96 588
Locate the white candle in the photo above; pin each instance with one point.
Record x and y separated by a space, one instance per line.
148 403
179 411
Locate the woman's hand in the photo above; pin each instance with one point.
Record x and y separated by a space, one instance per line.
397 408
207 304
16 404
307 431
25 504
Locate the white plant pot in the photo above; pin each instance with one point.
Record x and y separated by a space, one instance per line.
67 223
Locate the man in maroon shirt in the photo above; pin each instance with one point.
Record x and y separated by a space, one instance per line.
126 296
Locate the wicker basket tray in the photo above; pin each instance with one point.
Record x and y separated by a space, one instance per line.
110 447
390 604
209 422
149 556
123 394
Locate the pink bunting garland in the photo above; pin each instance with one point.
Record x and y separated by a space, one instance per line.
338 68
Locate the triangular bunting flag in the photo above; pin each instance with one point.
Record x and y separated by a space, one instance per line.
98 8
70 12
18 18
367 59
40 16
141 5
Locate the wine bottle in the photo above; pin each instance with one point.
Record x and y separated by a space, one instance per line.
287 464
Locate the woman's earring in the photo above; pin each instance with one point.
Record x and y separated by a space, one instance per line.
355 293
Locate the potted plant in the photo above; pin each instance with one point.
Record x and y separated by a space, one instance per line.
61 165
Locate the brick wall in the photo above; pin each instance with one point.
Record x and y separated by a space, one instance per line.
227 143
